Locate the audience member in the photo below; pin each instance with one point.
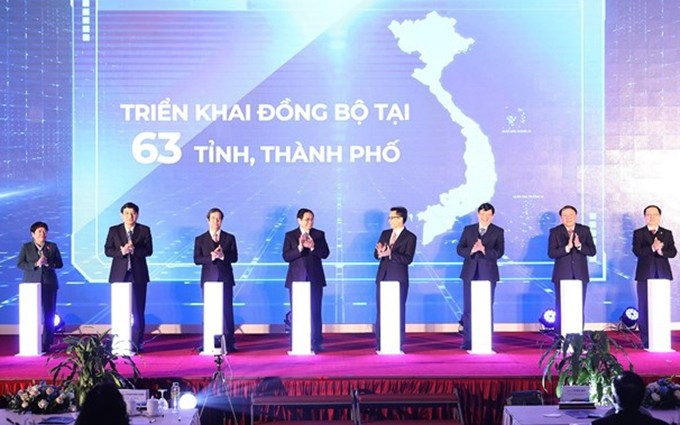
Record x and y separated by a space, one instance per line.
104 405
629 391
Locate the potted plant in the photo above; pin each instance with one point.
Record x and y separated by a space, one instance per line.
584 359
90 361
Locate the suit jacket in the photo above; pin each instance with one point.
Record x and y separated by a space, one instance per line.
486 265
45 274
141 239
572 265
306 264
650 263
395 267
217 270
625 417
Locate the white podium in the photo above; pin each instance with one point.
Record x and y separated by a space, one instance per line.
121 317
659 315
481 317
390 323
213 316
30 319
571 306
301 310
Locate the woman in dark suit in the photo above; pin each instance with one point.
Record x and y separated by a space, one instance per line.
39 259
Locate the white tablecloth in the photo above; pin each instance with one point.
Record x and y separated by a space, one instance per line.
549 415
182 417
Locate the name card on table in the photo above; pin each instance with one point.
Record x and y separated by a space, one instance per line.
138 396
576 397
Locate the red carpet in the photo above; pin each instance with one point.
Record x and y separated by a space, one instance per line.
432 363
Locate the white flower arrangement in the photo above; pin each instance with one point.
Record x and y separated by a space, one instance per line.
662 394
41 398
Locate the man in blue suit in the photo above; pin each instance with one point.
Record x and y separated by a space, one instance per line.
569 244
653 245
395 250
215 251
39 259
303 249
481 245
128 244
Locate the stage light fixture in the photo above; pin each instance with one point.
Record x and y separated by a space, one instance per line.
630 316
187 401
59 324
548 318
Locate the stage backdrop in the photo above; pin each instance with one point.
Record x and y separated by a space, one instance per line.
344 107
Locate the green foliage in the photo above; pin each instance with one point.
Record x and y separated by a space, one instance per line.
584 359
90 361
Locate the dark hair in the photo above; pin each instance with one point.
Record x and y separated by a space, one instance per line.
486 207
37 225
212 210
132 205
644 212
401 212
629 389
302 211
568 207
104 405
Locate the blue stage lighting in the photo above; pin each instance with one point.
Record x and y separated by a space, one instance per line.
630 316
548 318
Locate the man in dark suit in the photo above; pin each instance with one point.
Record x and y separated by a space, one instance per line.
215 251
39 259
629 392
395 250
303 249
481 245
569 244
653 245
129 243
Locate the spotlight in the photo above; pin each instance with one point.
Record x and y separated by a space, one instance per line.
59 324
187 401
548 318
629 318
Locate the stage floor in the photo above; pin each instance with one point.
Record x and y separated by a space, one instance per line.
431 355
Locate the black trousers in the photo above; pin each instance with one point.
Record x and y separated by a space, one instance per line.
643 312
48 295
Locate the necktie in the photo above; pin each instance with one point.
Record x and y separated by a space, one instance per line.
40 251
129 259
216 237
482 231
393 239
652 232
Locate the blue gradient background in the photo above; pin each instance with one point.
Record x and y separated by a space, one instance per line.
67 159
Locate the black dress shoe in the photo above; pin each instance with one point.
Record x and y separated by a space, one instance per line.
466 347
317 348
232 349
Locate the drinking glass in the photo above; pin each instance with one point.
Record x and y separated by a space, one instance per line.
162 402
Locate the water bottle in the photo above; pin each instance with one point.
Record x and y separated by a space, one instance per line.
174 396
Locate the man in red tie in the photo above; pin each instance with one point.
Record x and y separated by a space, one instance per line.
653 245
569 244
395 250
39 260
215 251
